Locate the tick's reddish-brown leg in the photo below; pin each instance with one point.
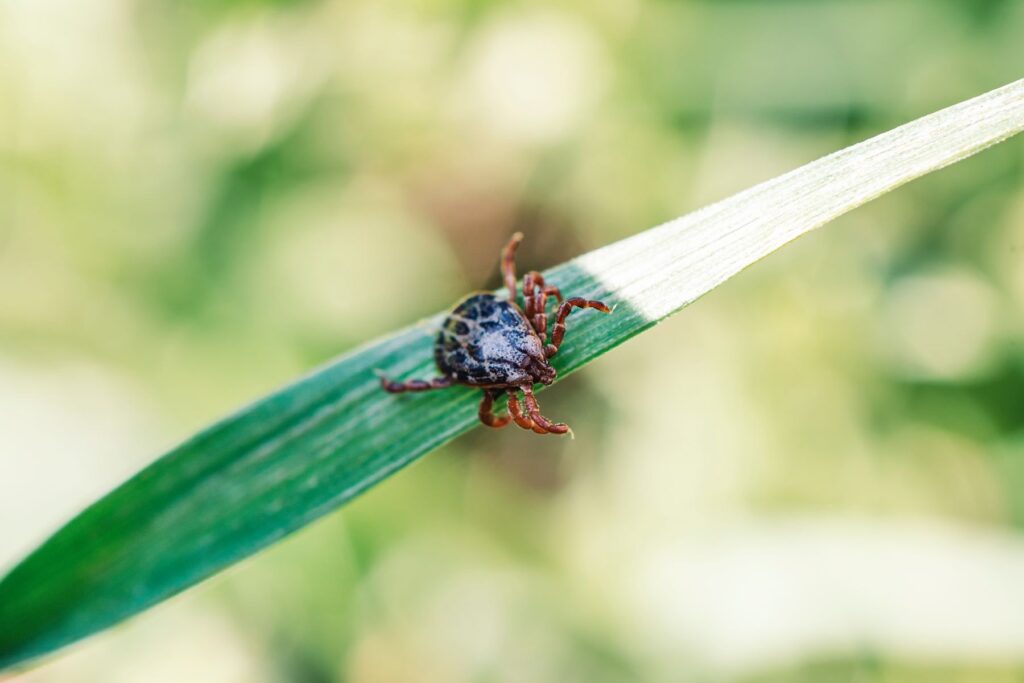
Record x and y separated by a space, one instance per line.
517 414
530 297
534 412
414 384
508 265
563 311
541 318
535 295
487 416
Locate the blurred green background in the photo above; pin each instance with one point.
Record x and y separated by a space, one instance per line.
815 473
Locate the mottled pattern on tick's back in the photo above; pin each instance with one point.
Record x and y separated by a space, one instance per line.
485 341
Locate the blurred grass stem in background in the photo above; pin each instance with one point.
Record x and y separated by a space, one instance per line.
299 453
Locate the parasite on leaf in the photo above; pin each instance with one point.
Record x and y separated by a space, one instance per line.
500 347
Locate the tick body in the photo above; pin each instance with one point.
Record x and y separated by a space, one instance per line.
500 347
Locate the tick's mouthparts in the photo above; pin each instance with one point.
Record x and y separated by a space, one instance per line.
543 373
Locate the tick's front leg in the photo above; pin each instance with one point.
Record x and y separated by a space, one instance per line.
535 296
517 414
539 420
558 333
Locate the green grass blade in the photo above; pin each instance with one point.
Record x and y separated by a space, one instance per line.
301 452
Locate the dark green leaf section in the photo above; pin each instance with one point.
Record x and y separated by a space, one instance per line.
254 477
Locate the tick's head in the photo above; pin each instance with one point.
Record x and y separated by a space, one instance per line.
536 358
543 373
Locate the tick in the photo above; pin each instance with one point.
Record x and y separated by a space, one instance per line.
502 348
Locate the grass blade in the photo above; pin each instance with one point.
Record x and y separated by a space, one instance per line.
299 453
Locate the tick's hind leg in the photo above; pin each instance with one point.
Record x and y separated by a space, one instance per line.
563 312
508 265
414 384
539 420
486 414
